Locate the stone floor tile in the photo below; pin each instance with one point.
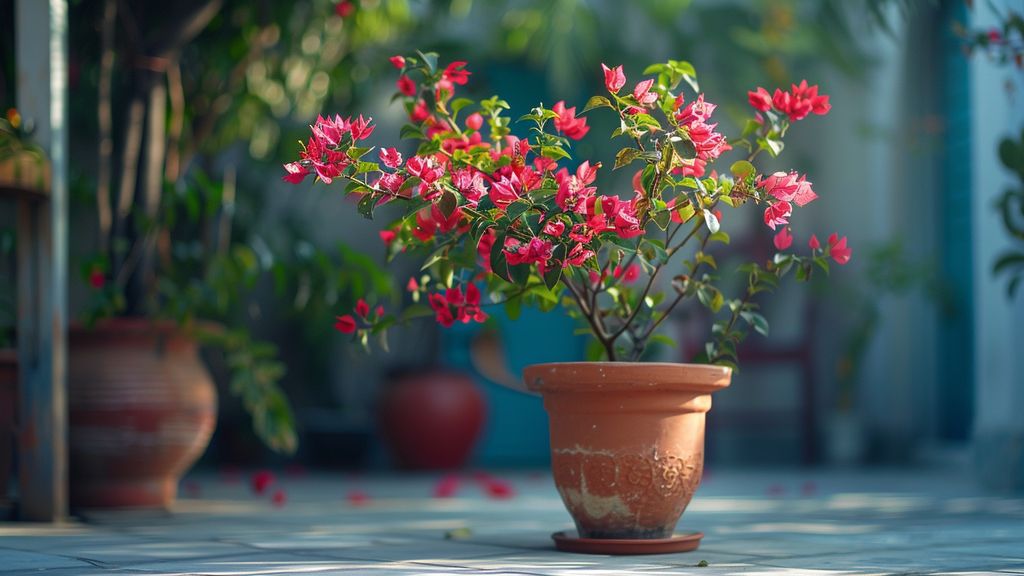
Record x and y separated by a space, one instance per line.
14 561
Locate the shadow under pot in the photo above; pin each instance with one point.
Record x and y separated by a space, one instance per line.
141 410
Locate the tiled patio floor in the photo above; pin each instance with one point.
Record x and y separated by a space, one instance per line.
755 522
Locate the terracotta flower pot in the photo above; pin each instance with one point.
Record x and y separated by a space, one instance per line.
432 420
627 441
141 409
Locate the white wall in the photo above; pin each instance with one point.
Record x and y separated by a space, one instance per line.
999 323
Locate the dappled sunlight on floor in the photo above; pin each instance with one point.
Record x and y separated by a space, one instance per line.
755 522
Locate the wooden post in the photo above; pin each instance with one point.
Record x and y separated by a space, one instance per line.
41 52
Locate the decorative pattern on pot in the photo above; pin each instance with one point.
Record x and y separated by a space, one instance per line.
625 492
141 410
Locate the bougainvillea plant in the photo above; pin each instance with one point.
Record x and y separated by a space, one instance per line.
517 220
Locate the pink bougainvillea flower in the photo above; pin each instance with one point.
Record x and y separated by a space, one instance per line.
567 123
406 86
362 128
391 157
778 214
800 101
535 251
362 308
97 279
470 183
328 132
554 228
345 324
262 480
296 172
614 78
813 243
506 190
760 99
357 498
387 236
789 187
279 498
392 183
397 61
456 73
696 111
642 93
419 111
474 121
345 8
447 486
578 255
783 239
629 275
838 250
497 489
455 305
412 285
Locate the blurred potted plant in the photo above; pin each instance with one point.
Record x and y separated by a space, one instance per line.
23 165
142 405
501 217
181 84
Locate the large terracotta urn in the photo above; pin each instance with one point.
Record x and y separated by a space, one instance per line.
627 441
431 420
141 409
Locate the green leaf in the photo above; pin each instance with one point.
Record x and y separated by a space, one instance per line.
685 212
458 104
741 169
513 307
1009 260
720 236
366 206
430 59
520 274
357 153
554 272
499 264
554 152
411 132
597 102
625 157
517 209
436 256
756 321
414 311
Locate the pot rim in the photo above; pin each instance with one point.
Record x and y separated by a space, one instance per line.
625 377
137 330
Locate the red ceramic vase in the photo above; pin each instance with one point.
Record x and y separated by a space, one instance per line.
431 420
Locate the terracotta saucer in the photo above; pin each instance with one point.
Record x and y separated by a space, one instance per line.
569 541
